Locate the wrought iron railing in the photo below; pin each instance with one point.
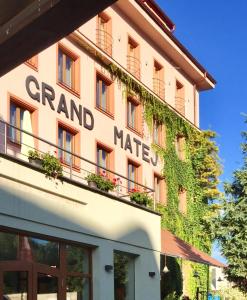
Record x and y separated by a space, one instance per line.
134 66
75 167
104 40
159 88
180 105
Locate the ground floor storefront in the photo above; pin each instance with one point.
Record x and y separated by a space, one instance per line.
37 267
63 240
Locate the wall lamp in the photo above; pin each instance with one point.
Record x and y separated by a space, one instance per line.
151 274
108 268
165 270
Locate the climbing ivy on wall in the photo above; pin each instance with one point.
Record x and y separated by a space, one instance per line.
197 174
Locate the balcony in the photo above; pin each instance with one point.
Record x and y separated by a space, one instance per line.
180 105
16 143
159 88
133 66
104 41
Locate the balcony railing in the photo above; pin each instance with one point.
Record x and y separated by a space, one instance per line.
180 105
15 142
104 40
133 66
159 88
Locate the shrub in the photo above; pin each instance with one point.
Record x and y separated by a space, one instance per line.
51 165
33 154
140 198
102 182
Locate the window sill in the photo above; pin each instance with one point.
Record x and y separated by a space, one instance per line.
135 131
35 68
14 143
70 90
107 113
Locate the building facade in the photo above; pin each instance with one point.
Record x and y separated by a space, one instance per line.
63 239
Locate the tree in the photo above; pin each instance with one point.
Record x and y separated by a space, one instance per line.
231 225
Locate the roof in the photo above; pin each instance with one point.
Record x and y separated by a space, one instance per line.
171 245
160 13
153 10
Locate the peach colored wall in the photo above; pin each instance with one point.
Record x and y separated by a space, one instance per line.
122 26
104 125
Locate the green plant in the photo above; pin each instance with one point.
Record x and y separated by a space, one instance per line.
140 198
51 165
33 154
231 224
102 182
198 175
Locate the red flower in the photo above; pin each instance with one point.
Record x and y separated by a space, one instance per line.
103 173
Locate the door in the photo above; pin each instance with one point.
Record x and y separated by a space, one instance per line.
15 280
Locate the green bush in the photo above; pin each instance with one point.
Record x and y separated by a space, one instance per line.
140 198
33 154
51 165
102 182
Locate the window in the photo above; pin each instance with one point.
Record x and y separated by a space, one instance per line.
180 145
179 98
68 69
78 277
133 58
24 257
124 276
160 189
21 116
182 206
104 31
133 175
104 158
16 119
158 80
104 94
158 133
33 62
134 115
69 141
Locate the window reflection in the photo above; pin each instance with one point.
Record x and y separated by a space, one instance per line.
15 285
9 244
44 252
47 287
77 288
124 276
77 259
27 253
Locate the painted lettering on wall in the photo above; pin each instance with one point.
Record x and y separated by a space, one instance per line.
45 94
134 146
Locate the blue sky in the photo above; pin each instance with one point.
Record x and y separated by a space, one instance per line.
215 33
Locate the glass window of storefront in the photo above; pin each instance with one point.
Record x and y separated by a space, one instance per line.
124 276
37 268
